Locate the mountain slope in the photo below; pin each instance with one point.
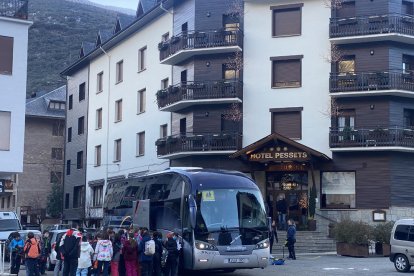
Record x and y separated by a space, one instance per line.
59 27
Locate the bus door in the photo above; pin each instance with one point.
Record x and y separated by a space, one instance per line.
141 213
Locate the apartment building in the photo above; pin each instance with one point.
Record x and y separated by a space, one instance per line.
43 154
14 26
121 121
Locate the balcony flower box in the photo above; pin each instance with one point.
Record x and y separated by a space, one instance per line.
174 39
173 89
353 250
162 93
162 46
160 142
172 140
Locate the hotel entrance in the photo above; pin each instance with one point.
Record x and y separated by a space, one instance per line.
287 198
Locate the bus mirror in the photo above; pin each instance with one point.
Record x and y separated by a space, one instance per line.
193 210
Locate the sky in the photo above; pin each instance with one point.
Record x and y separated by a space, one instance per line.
129 4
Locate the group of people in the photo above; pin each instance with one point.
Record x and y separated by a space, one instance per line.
132 252
290 238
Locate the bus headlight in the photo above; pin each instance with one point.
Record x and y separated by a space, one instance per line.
263 244
205 246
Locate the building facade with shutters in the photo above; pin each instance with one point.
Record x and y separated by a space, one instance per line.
14 26
122 121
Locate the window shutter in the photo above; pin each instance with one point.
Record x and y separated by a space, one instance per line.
287 22
286 73
6 55
288 124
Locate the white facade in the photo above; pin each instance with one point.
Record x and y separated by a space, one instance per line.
133 122
313 95
12 97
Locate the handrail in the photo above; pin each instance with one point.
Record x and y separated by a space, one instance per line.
326 218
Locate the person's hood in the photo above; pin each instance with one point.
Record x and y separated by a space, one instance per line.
85 246
105 242
33 241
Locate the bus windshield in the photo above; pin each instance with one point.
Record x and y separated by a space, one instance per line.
240 212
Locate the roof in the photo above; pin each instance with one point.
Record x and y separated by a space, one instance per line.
39 106
86 48
122 23
274 137
139 23
148 4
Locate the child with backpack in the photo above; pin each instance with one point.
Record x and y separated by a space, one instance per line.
31 252
129 251
146 250
104 253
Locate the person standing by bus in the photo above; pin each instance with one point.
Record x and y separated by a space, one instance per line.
130 253
291 239
273 236
117 246
157 237
16 248
145 261
172 248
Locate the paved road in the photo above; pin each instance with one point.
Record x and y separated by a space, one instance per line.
320 266
326 265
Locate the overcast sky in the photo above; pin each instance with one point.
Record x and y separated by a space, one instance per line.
129 4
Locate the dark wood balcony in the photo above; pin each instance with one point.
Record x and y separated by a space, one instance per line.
177 146
188 44
373 138
366 83
14 8
395 27
190 93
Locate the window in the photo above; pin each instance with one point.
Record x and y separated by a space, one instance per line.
141 101
338 190
6 55
165 37
8 202
79 160
98 122
408 118
408 64
70 102
58 129
82 89
5 119
69 135
66 201
229 72
183 126
81 125
120 71
163 131
99 84
404 233
56 105
346 65
56 177
57 153
286 71
118 110
287 122
164 83
140 143
407 8
287 20
142 59
68 164
346 10
97 156
231 22
346 124
97 196
117 150
78 196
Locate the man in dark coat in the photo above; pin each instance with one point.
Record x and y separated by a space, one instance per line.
70 249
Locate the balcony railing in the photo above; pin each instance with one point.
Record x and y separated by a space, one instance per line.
200 142
392 136
372 25
14 8
202 90
200 40
371 81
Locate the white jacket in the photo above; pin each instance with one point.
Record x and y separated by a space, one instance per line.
86 253
103 250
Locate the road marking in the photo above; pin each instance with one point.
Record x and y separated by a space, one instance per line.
351 268
332 268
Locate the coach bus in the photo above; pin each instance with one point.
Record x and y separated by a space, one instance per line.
219 215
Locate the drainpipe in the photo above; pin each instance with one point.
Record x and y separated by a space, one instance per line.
164 9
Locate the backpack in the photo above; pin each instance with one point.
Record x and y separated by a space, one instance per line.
29 253
149 248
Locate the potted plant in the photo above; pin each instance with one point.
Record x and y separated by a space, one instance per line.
382 235
160 142
312 209
162 45
174 39
352 238
162 93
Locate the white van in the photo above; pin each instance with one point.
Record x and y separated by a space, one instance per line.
402 245
9 222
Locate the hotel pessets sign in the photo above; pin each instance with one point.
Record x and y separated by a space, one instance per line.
279 154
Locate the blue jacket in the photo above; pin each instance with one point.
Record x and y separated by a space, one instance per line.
141 249
291 233
14 243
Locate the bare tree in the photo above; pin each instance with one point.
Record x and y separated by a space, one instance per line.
236 62
234 114
235 8
333 109
334 55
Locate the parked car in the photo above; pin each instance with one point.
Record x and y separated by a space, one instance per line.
54 235
402 245
23 236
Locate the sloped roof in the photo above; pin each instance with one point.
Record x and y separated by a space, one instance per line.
102 37
39 105
86 48
122 23
146 5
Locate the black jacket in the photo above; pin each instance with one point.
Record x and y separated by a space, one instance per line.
171 246
71 247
